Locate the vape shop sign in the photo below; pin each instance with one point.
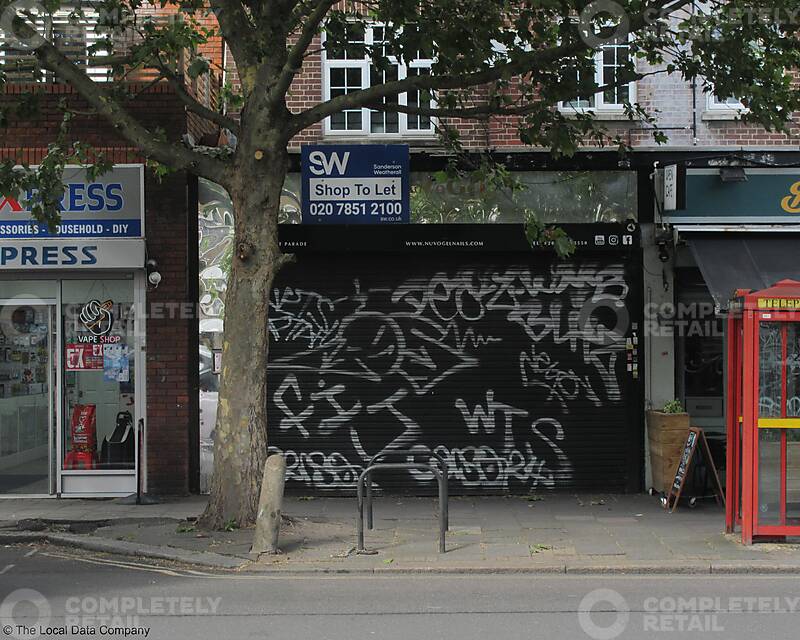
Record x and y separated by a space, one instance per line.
355 184
97 349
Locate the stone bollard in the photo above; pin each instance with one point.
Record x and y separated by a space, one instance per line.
268 521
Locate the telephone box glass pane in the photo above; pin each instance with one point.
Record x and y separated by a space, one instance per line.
769 476
770 367
793 476
793 370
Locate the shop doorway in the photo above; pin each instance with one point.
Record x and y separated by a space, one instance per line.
27 416
97 447
71 386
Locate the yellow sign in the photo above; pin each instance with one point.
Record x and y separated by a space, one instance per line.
778 303
791 204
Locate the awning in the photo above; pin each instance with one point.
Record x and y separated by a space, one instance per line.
731 261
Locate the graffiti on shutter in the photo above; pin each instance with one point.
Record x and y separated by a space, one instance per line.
484 364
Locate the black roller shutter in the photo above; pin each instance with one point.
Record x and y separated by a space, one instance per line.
515 368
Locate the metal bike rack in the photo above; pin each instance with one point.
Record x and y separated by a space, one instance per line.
389 466
412 454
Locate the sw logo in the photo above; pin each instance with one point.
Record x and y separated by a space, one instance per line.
791 204
323 165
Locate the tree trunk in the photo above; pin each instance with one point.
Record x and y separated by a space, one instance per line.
240 445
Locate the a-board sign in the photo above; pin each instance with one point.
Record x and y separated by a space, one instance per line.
694 439
686 457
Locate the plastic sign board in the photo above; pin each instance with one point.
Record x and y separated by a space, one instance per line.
79 254
110 206
355 184
671 187
768 196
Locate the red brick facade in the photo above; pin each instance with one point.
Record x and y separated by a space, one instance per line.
687 123
170 228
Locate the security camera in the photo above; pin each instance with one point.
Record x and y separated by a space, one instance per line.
153 276
663 252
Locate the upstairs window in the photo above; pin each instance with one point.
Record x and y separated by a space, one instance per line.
73 32
609 63
715 103
349 68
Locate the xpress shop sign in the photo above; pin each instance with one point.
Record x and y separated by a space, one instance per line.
355 184
110 206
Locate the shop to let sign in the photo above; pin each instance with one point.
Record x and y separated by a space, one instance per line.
355 184
109 206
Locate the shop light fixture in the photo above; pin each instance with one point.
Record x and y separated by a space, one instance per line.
733 174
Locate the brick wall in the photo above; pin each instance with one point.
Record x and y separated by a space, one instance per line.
669 97
171 338
170 225
157 107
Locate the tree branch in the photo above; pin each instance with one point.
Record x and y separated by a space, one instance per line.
486 111
240 35
526 63
294 61
193 105
174 155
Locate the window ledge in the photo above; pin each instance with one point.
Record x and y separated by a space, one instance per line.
720 115
414 140
602 115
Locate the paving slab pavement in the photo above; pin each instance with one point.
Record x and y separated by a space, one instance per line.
544 533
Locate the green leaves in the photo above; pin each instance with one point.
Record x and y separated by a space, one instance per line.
540 235
197 67
40 188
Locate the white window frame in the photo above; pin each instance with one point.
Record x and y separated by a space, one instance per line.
713 103
600 105
364 64
61 18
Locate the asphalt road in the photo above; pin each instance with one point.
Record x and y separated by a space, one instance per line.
62 594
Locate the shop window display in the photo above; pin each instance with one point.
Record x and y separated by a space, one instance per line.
99 376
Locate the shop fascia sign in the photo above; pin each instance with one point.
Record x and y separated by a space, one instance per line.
109 206
760 196
75 253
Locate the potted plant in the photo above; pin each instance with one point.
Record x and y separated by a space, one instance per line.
666 435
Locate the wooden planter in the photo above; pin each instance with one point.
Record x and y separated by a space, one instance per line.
666 435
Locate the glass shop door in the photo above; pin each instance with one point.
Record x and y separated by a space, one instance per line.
27 400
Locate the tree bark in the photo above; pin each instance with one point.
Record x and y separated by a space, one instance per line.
240 446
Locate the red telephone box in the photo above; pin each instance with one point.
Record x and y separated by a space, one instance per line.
763 413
